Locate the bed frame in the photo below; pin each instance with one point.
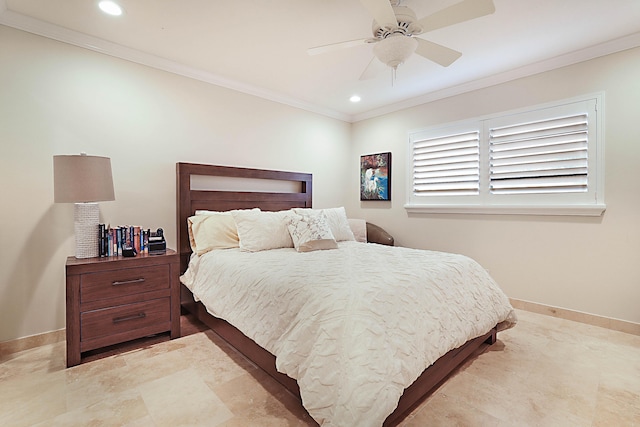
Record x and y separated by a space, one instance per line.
189 200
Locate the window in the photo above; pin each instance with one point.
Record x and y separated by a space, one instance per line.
543 160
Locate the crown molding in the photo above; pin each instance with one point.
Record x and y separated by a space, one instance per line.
613 46
55 32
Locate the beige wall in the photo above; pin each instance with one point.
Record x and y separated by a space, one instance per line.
60 99
583 264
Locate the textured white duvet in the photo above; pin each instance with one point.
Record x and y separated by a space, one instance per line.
354 326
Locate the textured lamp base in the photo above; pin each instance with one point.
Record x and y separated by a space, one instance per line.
86 219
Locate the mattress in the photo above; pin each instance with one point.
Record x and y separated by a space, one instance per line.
354 326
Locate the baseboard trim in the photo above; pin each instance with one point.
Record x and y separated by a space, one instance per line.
33 341
578 316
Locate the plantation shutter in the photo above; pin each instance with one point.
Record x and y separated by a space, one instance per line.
539 160
447 165
546 156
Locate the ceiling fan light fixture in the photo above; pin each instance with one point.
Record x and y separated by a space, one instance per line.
395 49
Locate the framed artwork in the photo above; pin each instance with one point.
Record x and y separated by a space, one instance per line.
375 177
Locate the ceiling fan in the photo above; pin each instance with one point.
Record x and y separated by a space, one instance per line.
395 28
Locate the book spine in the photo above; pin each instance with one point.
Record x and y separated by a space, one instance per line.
125 237
101 240
114 242
146 241
119 237
136 238
105 241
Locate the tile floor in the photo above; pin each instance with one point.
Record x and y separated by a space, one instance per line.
544 372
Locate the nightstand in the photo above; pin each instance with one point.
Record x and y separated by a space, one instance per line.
112 300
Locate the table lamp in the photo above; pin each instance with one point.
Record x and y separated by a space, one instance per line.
83 180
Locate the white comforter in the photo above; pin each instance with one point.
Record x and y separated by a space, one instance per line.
354 326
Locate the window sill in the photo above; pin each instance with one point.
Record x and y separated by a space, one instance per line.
563 210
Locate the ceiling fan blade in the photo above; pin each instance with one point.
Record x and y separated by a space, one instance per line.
459 12
437 53
372 70
335 46
381 11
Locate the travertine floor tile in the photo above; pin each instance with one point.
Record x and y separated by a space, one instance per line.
450 411
31 398
183 399
118 409
259 398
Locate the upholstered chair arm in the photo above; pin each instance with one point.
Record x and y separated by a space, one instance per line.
376 234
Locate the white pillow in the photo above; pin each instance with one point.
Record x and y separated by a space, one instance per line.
337 220
212 231
310 231
260 230
359 229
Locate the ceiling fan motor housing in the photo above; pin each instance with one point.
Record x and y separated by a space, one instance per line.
406 24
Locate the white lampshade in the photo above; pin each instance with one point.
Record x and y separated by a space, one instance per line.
395 49
83 180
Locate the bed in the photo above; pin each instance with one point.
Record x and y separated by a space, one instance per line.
320 369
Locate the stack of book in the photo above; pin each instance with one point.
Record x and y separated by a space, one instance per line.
112 240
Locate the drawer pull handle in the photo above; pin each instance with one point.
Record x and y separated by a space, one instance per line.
127 282
125 318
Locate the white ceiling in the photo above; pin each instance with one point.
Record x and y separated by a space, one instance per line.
260 47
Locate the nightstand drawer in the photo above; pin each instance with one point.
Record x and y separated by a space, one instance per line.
115 283
124 318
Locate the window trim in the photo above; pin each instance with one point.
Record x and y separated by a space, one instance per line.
487 203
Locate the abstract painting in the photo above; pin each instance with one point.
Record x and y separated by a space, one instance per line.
375 177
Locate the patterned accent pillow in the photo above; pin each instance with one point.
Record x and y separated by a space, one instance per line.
310 231
337 220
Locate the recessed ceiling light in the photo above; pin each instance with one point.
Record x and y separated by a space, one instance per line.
110 7
354 98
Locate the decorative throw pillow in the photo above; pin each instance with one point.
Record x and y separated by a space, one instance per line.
310 231
337 220
259 230
215 230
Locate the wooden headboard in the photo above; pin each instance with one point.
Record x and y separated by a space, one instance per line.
189 200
